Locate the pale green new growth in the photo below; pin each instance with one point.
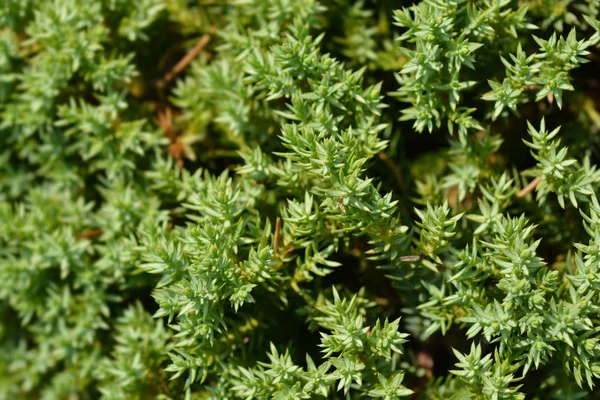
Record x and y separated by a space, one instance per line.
236 199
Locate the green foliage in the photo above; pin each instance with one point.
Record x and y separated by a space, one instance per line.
269 219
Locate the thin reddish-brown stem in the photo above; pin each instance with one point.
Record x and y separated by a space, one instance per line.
89 234
395 171
527 189
165 122
164 385
186 60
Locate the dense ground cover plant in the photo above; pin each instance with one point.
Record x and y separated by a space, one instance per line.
286 199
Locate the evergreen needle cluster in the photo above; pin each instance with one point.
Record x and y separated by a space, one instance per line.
299 199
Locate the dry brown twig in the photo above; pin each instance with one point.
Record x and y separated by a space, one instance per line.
185 61
165 123
395 171
165 118
89 234
527 189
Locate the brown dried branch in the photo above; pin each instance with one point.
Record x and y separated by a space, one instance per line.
393 167
89 234
185 61
165 123
527 189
